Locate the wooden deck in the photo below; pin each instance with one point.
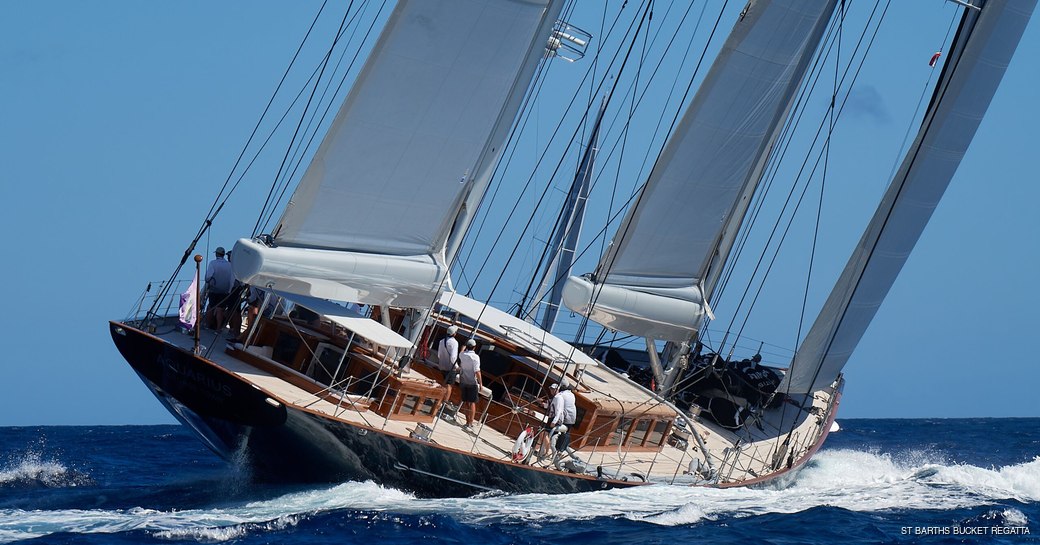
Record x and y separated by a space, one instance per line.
735 456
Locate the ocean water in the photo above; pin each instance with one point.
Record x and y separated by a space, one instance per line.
876 481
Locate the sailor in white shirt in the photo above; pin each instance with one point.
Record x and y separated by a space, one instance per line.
448 357
563 412
469 379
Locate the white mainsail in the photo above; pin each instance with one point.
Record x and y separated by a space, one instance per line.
650 281
981 52
409 155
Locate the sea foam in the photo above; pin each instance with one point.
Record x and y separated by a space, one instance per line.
29 469
848 479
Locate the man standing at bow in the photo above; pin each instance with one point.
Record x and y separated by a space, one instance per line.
219 281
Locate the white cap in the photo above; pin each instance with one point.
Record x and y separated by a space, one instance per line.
453 329
471 343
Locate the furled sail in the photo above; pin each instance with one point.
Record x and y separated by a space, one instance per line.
650 281
982 49
408 156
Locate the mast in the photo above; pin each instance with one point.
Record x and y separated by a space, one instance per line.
568 230
651 280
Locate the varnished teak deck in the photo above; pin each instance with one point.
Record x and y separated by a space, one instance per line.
750 454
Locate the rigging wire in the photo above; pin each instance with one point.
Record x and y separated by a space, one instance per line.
646 13
787 203
570 105
463 263
921 100
542 157
611 213
302 151
602 270
218 204
943 86
306 108
635 102
819 205
823 178
602 232
526 111
498 281
596 178
528 98
786 138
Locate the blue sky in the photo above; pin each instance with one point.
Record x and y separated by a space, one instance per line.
119 121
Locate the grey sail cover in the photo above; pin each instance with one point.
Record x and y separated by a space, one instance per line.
697 192
980 54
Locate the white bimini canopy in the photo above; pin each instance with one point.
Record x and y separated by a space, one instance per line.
365 327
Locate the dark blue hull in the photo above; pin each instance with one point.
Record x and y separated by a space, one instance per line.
281 443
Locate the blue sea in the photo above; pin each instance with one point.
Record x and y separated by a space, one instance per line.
875 481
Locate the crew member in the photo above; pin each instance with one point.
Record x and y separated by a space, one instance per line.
469 380
562 411
219 281
448 357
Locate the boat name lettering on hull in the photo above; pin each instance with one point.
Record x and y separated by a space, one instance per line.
197 378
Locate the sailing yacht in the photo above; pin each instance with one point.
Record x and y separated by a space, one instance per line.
328 392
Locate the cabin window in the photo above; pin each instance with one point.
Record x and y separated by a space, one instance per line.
428 404
601 430
657 435
638 435
327 359
409 403
647 432
620 432
612 431
285 348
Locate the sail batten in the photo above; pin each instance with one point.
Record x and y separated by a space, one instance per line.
690 206
984 45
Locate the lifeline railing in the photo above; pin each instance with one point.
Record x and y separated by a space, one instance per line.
168 305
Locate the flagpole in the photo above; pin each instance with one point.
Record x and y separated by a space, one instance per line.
198 302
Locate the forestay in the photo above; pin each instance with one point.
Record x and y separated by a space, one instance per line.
981 52
412 148
682 225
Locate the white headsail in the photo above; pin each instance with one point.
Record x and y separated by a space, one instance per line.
408 156
983 47
650 282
